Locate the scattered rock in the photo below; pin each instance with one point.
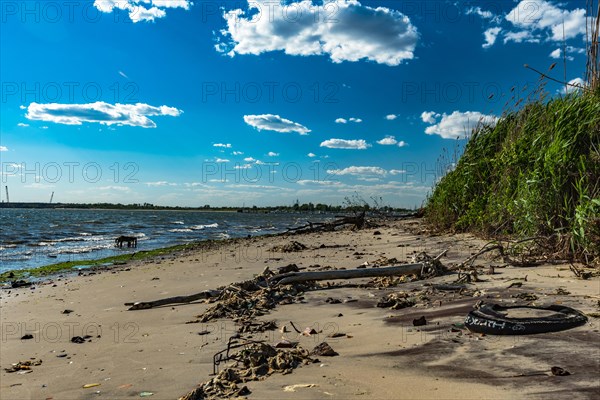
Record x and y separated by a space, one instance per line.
27 336
420 321
289 248
67 311
558 371
23 366
20 283
308 331
288 268
285 344
79 339
396 301
324 349
331 300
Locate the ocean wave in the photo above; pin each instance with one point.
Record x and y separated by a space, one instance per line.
181 230
177 222
200 227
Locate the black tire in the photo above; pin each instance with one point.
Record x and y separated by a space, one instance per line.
489 319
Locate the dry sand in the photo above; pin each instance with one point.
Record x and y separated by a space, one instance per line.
382 356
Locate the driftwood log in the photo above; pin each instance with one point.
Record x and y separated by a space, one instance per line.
294 277
144 305
358 222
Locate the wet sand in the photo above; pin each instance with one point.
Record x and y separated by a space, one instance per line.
381 356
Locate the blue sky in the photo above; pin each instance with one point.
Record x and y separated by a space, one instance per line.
175 102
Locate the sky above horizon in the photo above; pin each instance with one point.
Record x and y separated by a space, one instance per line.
232 103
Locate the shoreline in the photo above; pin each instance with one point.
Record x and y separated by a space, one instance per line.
381 353
98 264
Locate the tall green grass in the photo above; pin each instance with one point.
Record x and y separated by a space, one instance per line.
536 173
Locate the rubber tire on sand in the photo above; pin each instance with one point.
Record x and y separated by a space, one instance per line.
490 319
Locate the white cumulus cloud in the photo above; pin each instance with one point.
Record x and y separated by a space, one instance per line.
391 117
224 145
402 143
345 30
388 141
358 171
3 148
311 155
271 122
574 85
101 113
272 154
544 17
148 11
359 144
345 121
490 36
457 125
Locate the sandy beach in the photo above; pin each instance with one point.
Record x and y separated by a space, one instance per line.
382 355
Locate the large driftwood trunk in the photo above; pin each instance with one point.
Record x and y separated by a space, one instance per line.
294 277
143 305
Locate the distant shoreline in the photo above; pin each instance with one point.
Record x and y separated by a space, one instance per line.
308 208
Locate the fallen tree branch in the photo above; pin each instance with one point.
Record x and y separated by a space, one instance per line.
358 221
144 305
294 277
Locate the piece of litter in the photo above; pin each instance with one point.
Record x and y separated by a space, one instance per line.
90 385
125 386
292 388
146 394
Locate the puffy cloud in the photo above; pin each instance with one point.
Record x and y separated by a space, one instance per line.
520 37
344 120
22 125
402 143
138 12
429 117
224 145
485 14
541 16
574 85
100 112
3 148
221 160
160 183
490 36
345 30
457 125
397 171
249 159
311 155
358 171
391 117
237 153
388 141
271 122
272 154
345 144
558 53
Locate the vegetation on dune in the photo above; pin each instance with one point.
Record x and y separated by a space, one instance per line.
536 173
